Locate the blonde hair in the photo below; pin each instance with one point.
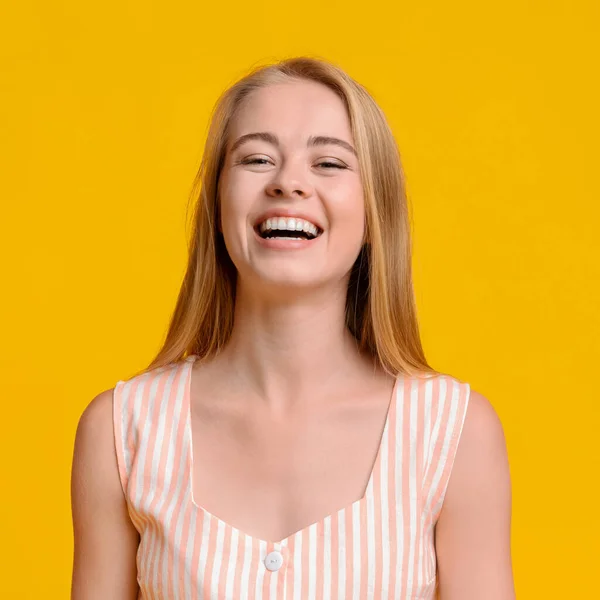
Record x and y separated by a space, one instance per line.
380 308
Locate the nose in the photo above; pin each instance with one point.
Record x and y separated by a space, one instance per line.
289 182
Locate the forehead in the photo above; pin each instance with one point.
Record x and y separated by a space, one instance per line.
291 110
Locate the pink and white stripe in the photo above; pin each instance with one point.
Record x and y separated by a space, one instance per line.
380 547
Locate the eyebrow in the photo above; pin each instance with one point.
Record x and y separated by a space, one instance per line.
314 140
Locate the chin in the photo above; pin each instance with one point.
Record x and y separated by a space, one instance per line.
284 279
291 280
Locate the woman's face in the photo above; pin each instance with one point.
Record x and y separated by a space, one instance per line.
291 172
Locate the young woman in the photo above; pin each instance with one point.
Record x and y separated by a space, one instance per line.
290 440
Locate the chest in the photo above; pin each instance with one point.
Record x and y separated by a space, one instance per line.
271 477
295 480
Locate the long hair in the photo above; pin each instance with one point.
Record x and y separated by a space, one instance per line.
380 307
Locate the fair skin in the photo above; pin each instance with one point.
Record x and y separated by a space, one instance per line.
291 388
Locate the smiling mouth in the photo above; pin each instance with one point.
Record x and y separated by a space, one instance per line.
288 229
286 235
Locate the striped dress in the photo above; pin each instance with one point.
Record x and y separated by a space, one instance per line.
379 547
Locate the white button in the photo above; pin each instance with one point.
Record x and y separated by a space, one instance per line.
274 560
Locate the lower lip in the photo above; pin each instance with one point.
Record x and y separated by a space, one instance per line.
285 243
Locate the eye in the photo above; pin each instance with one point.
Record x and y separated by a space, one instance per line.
255 161
329 165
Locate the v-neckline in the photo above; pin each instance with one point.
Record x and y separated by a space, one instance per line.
189 361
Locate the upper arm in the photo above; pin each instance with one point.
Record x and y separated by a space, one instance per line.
473 529
105 540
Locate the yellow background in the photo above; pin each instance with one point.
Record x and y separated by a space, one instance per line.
103 113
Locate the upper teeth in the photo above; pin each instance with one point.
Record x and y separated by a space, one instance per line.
290 224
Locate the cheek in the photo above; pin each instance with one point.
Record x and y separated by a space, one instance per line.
235 200
346 206
232 218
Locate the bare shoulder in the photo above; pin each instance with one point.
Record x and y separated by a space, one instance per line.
105 540
95 443
95 422
481 458
473 529
482 430
95 477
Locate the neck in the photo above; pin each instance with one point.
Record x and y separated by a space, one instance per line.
282 350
